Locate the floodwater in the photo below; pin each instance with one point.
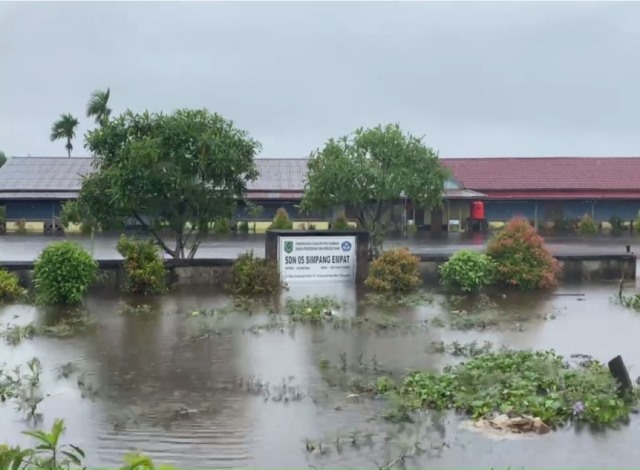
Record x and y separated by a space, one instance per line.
27 247
146 366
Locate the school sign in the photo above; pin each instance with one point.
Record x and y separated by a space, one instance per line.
317 258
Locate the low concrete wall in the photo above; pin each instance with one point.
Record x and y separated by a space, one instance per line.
575 268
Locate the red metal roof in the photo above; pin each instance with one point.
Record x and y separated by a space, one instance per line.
559 175
550 194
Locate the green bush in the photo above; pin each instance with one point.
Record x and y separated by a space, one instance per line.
63 273
222 226
10 286
143 262
394 271
520 257
587 226
617 224
281 221
254 276
468 271
243 227
341 222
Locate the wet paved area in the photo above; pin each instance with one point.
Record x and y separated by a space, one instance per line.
145 366
27 247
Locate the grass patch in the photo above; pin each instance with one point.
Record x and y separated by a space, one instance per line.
540 384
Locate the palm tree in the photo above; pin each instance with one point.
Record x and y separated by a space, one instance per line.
98 106
65 128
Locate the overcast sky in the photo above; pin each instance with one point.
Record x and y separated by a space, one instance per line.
476 79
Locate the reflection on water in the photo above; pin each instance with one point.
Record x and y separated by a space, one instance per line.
146 371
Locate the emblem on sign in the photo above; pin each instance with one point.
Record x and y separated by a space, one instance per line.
288 247
346 246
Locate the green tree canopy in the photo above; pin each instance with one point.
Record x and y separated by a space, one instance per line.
170 172
370 170
65 128
3 159
98 106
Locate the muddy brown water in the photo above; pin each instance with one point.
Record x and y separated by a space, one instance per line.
145 367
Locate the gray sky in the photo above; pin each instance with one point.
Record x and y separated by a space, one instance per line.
477 79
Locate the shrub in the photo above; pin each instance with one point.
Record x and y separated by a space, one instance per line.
21 226
222 226
243 227
341 222
468 271
281 221
394 271
63 273
587 226
617 224
146 273
10 286
254 276
3 214
520 257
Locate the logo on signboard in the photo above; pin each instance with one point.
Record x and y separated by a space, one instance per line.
288 247
346 246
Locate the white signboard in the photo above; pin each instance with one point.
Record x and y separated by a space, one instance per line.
317 259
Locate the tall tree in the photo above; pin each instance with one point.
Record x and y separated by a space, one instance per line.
370 170
65 128
177 172
3 159
98 106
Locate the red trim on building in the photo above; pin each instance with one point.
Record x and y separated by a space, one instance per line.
566 195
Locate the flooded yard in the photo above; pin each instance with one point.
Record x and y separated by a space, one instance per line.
232 389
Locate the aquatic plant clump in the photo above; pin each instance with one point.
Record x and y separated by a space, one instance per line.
539 384
468 271
521 259
63 273
311 309
394 271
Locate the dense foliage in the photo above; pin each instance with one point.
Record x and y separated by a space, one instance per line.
173 174
468 271
251 275
3 159
587 226
394 271
540 384
10 286
281 221
521 258
146 273
370 170
63 273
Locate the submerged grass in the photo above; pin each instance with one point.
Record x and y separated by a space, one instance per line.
66 327
541 384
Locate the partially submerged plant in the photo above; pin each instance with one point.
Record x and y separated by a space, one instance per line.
251 275
10 286
468 271
539 384
521 258
396 271
63 273
143 262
